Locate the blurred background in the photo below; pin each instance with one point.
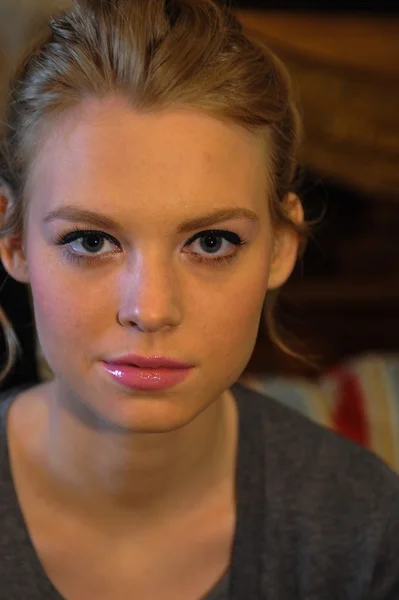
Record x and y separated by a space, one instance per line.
343 299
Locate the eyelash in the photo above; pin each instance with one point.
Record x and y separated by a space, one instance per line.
77 234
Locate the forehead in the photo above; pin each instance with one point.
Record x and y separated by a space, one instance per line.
105 149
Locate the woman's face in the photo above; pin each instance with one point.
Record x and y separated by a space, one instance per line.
155 283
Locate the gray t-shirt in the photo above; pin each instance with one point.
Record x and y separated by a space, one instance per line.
317 516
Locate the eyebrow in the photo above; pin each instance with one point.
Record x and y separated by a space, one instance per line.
75 214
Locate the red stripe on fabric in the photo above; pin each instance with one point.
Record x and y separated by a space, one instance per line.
349 416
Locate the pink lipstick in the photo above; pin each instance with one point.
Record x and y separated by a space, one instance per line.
147 373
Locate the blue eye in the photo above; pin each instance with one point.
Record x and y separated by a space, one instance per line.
215 246
90 242
219 245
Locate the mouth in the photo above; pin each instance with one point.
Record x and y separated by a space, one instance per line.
159 376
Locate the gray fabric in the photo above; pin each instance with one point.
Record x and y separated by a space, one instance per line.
317 517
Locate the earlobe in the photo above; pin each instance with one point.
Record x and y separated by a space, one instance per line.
286 245
12 254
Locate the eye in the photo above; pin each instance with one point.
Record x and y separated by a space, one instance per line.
84 243
215 245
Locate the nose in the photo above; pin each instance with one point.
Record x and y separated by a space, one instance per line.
151 296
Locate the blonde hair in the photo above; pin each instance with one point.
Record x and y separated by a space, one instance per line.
157 54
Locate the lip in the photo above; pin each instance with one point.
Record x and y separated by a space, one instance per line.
149 362
146 379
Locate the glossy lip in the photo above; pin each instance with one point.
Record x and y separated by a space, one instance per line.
148 362
146 379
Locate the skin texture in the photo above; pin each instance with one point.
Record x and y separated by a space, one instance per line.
109 457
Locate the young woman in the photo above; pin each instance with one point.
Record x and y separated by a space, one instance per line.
147 202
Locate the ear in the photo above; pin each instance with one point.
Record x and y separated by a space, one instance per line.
12 253
286 244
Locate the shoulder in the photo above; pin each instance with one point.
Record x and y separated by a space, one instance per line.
339 499
316 470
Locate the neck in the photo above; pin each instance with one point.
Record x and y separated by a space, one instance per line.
108 475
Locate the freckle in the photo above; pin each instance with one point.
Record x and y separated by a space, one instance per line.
208 157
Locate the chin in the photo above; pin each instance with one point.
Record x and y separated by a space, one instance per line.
142 415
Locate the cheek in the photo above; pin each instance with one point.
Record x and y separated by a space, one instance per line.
231 318
67 308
